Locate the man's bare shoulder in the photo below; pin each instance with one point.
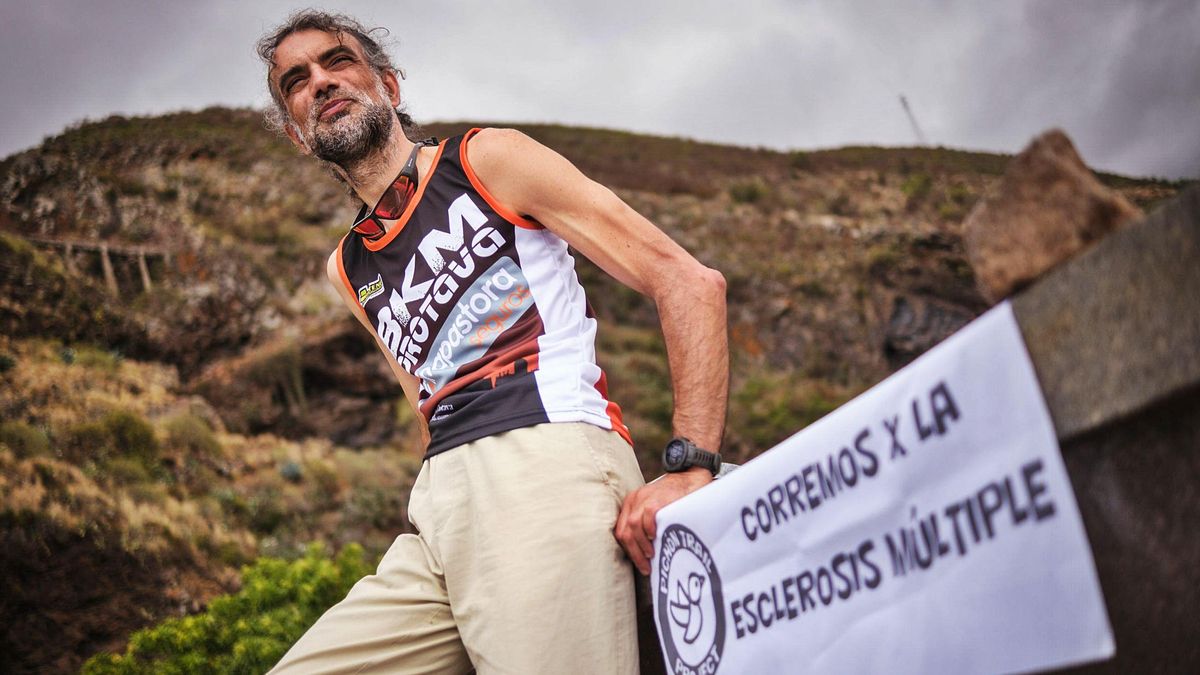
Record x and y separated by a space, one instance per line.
495 148
491 138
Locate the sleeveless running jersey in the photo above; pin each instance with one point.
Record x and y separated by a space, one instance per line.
483 306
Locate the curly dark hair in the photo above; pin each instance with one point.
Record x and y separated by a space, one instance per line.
339 24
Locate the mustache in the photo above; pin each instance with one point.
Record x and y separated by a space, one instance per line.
323 98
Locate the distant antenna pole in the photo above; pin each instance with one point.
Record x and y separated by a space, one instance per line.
913 121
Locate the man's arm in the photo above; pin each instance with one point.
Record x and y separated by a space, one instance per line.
533 180
407 382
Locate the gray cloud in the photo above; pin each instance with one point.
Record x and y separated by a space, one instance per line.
1119 76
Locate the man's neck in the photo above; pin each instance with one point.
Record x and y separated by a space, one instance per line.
371 176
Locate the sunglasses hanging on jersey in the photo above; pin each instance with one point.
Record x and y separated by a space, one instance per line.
394 199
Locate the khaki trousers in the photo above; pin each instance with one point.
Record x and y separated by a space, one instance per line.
515 569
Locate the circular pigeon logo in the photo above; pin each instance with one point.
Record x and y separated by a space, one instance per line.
691 614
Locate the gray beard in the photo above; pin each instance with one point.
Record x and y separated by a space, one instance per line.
353 138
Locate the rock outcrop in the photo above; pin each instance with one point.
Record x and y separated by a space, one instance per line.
1047 208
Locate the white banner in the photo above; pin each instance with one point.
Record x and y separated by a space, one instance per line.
927 526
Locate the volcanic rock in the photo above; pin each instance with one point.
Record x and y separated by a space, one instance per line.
1047 208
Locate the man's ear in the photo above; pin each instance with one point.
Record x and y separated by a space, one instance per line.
392 85
297 140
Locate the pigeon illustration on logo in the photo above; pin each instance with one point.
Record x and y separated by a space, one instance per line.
685 608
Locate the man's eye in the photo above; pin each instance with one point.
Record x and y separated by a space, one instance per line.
290 85
339 59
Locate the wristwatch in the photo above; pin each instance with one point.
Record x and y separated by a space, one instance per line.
681 454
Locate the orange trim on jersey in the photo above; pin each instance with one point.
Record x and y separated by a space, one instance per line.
505 212
397 226
613 410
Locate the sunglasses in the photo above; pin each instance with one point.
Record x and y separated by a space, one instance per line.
394 200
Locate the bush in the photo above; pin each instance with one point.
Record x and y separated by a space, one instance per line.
958 200
916 187
25 440
119 433
192 434
99 359
127 471
248 631
749 191
133 437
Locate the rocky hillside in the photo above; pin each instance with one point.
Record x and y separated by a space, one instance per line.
181 392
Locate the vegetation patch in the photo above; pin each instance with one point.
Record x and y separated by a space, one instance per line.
770 406
24 440
248 631
750 191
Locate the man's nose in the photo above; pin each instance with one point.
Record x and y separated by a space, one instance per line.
322 80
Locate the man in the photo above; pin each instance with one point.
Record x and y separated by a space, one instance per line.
458 266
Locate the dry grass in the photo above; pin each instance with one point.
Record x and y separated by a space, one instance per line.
199 491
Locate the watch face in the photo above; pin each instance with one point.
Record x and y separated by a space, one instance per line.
676 452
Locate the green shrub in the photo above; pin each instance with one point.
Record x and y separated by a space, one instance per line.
916 187
958 199
100 359
127 471
133 437
191 433
800 160
248 631
119 433
86 442
25 440
748 191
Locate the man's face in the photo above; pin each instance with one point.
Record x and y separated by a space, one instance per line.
340 108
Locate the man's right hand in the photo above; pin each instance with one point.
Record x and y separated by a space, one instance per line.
636 525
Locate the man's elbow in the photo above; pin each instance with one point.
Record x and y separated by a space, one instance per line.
693 283
710 282
715 281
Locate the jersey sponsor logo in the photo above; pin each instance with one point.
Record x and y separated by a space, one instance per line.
691 608
414 311
371 290
497 299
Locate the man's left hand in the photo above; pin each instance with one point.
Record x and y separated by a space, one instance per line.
636 525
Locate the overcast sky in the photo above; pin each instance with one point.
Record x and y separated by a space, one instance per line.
1121 76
